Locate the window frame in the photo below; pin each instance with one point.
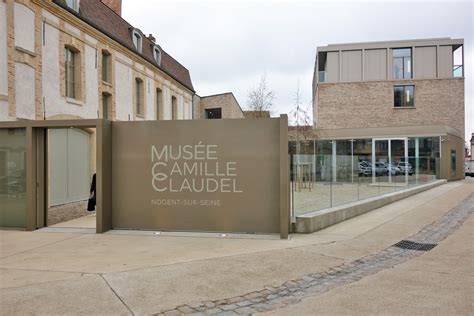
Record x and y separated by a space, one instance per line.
404 103
157 54
403 58
174 108
139 97
106 66
75 5
159 103
136 34
72 75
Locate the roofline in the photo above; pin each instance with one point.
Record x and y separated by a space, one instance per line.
389 44
82 18
215 95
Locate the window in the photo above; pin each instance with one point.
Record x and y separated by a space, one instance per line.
404 96
322 66
402 63
137 40
159 104
73 4
105 106
106 66
214 113
72 73
174 108
139 97
453 162
458 60
157 55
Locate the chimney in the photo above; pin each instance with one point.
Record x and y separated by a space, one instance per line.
115 5
152 38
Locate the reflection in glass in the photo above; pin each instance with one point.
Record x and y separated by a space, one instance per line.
12 178
402 63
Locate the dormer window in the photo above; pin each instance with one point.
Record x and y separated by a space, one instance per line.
73 4
157 54
137 40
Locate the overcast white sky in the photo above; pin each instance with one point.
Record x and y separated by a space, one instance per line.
228 45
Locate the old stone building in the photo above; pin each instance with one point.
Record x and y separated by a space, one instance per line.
396 103
80 59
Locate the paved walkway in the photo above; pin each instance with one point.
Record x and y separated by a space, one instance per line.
57 273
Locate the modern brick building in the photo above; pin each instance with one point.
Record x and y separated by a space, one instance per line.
392 102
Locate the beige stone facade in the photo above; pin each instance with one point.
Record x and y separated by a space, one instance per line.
230 107
370 104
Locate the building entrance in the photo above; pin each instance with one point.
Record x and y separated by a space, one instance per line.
390 160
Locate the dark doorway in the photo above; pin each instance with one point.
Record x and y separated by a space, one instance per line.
215 113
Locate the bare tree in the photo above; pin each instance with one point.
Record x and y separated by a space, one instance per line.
301 116
260 99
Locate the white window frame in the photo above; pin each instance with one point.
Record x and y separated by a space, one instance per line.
137 35
73 4
157 54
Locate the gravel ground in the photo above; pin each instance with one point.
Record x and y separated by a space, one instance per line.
66 212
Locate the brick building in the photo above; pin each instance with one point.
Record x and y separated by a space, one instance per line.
396 103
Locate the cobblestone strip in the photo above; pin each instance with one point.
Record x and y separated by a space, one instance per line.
293 291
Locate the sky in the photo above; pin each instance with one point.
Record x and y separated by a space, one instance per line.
230 45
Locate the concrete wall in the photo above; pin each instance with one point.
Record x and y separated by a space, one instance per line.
375 64
370 104
425 62
449 143
227 102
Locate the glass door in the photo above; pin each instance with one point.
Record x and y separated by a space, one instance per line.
388 158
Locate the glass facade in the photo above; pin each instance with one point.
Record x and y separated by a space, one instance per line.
327 173
12 178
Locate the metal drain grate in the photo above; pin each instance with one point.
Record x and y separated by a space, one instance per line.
413 245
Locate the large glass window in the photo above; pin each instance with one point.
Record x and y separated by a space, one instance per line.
402 67
12 178
404 96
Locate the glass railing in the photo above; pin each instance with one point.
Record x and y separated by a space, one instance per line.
457 71
319 182
322 76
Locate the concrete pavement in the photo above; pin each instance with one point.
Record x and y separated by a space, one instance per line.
73 273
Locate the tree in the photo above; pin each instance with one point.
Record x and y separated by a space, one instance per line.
260 99
301 116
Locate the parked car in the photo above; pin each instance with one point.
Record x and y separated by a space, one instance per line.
393 170
365 169
381 168
469 168
405 167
